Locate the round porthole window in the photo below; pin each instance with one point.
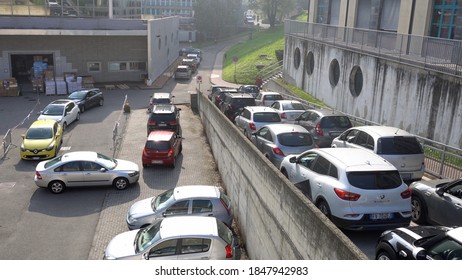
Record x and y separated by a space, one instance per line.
309 63
334 72
356 81
297 58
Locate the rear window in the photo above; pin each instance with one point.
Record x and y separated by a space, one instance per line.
242 102
399 145
162 117
157 145
336 122
293 106
376 180
224 232
266 117
273 97
294 139
182 70
225 200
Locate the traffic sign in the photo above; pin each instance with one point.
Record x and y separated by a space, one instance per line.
235 59
199 79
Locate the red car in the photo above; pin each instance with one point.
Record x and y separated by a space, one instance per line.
162 148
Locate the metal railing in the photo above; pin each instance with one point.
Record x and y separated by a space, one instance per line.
271 70
429 53
119 126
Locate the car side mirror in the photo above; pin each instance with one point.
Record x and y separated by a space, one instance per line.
419 254
102 170
440 191
350 139
293 159
39 113
146 256
23 136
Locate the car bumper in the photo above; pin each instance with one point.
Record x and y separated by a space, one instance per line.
366 224
157 161
44 154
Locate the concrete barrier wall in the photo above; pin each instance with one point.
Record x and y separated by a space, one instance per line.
275 219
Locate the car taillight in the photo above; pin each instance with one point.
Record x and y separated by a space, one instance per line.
172 123
226 206
283 116
263 100
252 126
170 153
152 123
318 130
406 194
277 151
145 152
37 174
346 195
229 252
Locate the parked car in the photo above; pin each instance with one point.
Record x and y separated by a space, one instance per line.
191 63
397 146
252 89
197 200
87 98
164 117
162 148
420 243
194 56
252 118
324 125
176 238
266 98
276 141
63 111
160 98
42 140
219 95
214 90
356 189
185 51
437 202
85 169
234 102
182 72
289 110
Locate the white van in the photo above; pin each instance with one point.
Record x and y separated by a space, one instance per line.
397 146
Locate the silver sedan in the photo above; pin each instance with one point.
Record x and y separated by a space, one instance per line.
85 169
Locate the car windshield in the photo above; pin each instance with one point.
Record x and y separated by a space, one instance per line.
39 133
293 106
53 110
77 95
336 122
147 236
110 163
162 200
294 139
374 180
266 117
398 145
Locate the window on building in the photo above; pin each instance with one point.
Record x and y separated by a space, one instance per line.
118 66
321 15
334 12
444 18
94 66
363 17
389 15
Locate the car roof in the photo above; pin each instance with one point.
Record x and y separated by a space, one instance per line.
43 123
196 191
326 112
163 109
188 225
240 95
160 135
356 159
258 109
382 131
269 93
183 66
456 234
279 128
162 94
87 155
285 101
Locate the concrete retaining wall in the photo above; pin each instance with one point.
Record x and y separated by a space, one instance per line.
276 220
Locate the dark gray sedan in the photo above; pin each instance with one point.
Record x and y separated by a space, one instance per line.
87 98
437 202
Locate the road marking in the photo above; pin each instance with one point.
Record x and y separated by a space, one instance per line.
7 185
65 148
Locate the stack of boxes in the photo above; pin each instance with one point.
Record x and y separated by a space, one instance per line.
73 82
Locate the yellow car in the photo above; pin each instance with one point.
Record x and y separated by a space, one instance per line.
42 140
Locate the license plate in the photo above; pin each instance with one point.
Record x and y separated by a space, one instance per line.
35 158
406 176
157 161
381 216
162 124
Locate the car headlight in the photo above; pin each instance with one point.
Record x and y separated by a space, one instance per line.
59 120
131 220
51 146
22 147
133 174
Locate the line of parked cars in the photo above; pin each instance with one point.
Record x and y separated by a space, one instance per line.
361 177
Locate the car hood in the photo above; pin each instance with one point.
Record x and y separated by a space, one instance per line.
38 144
126 165
141 208
122 245
411 234
430 183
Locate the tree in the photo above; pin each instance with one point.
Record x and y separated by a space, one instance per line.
274 10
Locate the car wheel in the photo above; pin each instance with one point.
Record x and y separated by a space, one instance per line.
56 187
385 252
419 212
173 163
120 183
101 102
77 117
82 109
145 165
284 172
324 208
181 149
64 126
246 134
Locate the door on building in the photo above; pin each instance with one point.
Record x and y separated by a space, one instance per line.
22 65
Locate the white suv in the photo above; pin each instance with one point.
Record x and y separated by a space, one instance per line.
397 146
252 118
355 189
